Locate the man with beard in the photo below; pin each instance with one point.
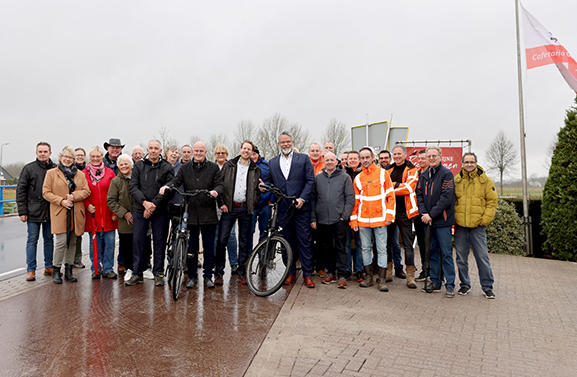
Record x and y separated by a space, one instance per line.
292 173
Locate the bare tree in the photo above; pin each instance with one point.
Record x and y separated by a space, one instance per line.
339 134
164 139
502 156
193 139
267 135
245 130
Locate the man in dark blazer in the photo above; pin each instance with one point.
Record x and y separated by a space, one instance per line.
292 173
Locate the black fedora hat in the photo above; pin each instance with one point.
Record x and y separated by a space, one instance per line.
113 143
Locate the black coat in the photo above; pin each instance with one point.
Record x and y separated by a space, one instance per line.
29 191
200 176
229 177
146 181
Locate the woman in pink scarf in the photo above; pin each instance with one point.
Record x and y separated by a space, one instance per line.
100 219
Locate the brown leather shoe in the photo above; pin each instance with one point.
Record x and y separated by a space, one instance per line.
121 269
48 271
330 278
290 280
309 283
31 276
342 283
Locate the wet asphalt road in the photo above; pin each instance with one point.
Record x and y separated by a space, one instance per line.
13 235
103 328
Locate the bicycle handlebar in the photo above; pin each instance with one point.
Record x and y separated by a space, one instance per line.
278 192
190 194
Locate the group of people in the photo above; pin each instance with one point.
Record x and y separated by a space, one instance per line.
346 222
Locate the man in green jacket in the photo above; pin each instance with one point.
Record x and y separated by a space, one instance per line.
475 205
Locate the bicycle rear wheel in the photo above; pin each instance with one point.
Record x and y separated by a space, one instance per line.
268 268
177 262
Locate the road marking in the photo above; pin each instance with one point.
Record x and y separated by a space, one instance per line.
13 271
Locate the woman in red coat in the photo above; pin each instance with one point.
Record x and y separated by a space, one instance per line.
101 219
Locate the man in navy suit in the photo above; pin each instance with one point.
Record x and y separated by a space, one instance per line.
292 173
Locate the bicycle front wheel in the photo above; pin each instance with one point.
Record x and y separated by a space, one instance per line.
177 262
268 266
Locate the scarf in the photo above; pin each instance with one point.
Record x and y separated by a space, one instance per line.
69 173
96 173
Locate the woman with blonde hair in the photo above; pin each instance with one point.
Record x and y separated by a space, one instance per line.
102 220
221 156
65 187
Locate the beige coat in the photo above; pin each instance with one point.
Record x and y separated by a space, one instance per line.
55 190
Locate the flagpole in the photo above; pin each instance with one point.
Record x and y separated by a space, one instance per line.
526 217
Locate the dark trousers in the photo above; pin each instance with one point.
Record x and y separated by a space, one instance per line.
125 248
319 253
420 231
297 231
227 222
159 222
405 226
332 239
207 232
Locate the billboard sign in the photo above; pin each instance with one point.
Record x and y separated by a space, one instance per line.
451 157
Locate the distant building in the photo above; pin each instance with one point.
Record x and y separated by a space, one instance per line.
4 175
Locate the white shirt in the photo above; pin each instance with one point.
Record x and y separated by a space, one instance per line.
240 182
285 164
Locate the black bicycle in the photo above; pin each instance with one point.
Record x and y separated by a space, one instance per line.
270 261
178 245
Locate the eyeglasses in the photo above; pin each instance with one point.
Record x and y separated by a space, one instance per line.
220 153
433 156
469 163
68 157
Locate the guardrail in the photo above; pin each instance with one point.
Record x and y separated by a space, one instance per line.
2 201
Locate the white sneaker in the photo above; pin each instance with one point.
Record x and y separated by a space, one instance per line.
148 275
128 275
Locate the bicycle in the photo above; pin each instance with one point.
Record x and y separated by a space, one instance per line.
271 260
178 244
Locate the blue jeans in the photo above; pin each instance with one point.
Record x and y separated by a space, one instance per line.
105 244
231 246
442 248
476 237
32 242
380 234
358 261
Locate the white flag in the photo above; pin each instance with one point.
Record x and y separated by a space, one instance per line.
542 48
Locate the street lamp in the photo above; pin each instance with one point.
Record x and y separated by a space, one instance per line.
2 152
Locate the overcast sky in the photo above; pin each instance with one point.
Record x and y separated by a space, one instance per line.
79 72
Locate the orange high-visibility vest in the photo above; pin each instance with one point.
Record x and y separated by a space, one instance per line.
374 198
408 187
318 168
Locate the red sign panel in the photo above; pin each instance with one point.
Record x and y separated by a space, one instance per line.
451 157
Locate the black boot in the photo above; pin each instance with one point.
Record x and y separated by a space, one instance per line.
68 273
56 276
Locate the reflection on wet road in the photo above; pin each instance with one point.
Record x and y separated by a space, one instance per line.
102 328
